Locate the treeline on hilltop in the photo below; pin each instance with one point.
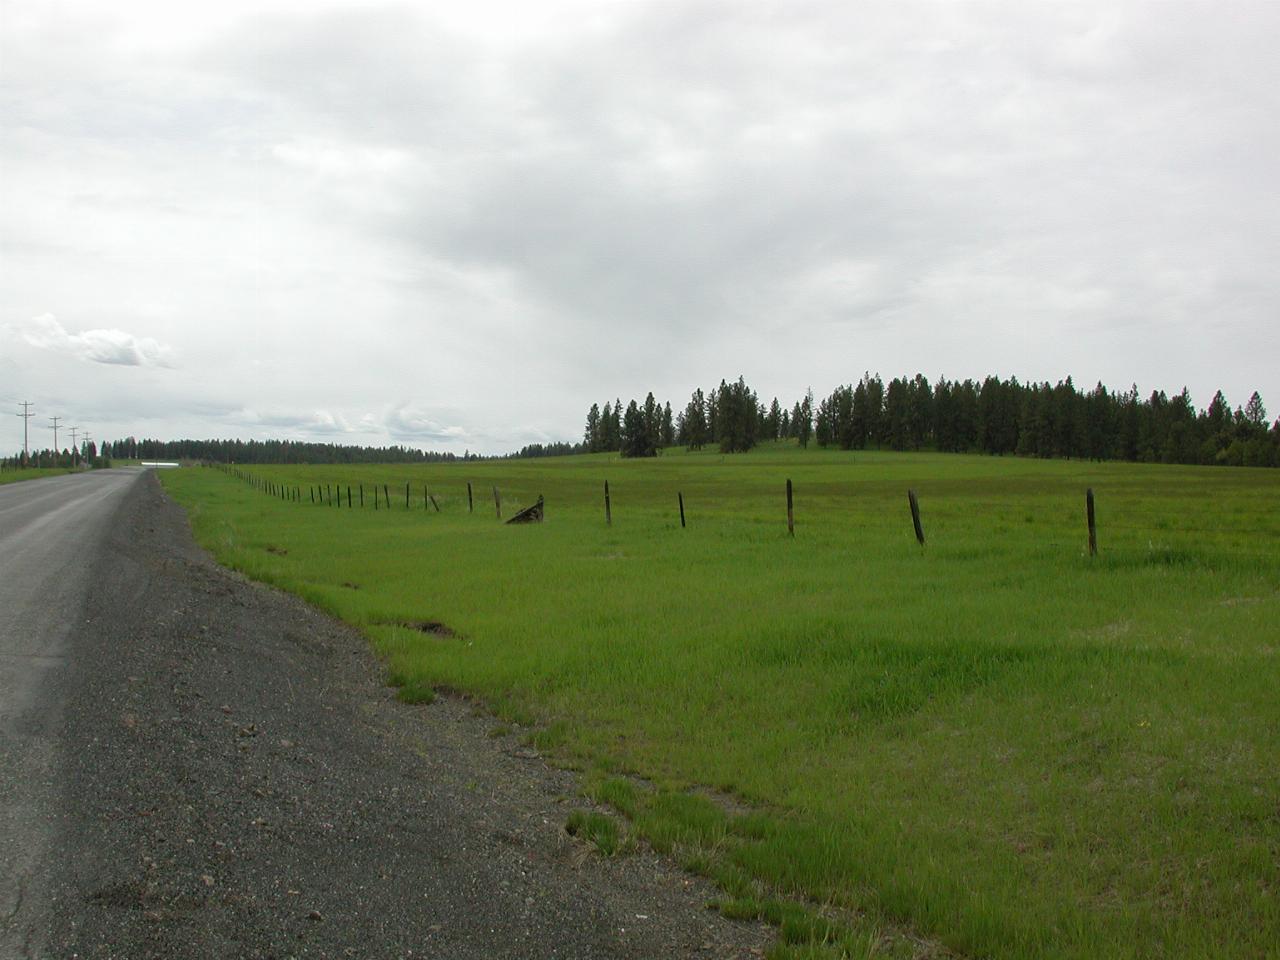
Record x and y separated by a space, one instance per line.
995 417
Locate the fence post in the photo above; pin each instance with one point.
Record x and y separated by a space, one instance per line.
915 515
497 502
680 497
434 504
406 496
608 510
791 521
470 503
1093 530
386 495
348 496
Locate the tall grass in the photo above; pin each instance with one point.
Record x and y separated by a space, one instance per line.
997 741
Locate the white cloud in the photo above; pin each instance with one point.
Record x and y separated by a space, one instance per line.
405 423
116 347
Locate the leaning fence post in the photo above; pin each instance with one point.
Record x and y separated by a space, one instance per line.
608 510
386 495
434 504
680 497
791 521
471 507
915 515
1093 530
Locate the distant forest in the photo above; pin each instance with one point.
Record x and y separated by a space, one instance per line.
233 451
994 417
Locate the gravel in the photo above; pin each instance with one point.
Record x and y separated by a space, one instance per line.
238 781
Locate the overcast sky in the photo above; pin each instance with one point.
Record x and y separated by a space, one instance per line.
456 225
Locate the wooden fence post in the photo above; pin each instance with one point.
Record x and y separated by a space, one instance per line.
915 515
362 496
1093 530
471 507
406 496
348 496
680 497
386 495
791 521
497 502
608 510
434 504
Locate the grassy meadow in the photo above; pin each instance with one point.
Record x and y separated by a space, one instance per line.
32 473
996 745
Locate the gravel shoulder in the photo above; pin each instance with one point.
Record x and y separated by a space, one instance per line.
239 782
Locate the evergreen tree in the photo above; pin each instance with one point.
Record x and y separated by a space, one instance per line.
773 421
738 417
695 422
804 423
636 438
591 436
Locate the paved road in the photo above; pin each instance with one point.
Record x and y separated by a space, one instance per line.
51 531
192 765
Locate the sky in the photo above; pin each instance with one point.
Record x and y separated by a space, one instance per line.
454 226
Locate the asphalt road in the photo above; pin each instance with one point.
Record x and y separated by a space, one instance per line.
50 531
192 765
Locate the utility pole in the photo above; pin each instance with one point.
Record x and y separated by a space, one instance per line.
54 421
74 431
26 415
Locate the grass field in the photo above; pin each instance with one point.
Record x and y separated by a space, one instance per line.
32 473
995 745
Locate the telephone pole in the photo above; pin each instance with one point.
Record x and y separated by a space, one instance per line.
26 415
54 421
74 431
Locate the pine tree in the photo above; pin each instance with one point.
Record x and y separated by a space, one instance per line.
591 436
636 438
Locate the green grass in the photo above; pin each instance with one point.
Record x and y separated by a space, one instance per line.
33 473
995 742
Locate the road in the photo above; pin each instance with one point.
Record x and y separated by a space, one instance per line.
192 765
49 532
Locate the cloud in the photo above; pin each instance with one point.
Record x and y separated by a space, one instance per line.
315 422
332 205
117 347
406 423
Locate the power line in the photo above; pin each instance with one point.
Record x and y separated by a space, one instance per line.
26 415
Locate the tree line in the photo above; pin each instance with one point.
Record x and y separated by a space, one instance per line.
995 416
239 451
